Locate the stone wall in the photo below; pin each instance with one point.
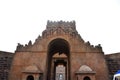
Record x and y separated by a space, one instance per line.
5 63
33 58
80 53
113 62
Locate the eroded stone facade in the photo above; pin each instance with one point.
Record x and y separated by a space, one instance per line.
113 62
59 38
5 63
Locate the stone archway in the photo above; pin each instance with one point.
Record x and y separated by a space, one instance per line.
86 78
59 47
30 77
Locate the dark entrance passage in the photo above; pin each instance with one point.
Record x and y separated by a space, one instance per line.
87 78
58 64
30 77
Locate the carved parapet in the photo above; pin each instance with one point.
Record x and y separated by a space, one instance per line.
30 43
98 47
60 28
93 48
88 43
51 24
38 39
21 47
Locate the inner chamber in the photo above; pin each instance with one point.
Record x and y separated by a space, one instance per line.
58 63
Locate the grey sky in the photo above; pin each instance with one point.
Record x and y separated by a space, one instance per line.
97 21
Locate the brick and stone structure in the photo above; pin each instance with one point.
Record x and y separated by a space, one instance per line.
59 54
5 63
113 62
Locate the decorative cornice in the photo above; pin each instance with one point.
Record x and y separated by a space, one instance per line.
60 27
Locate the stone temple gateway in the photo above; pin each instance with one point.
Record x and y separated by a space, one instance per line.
59 54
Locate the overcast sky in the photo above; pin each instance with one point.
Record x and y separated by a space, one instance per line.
97 21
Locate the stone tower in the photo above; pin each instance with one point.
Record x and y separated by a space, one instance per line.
59 54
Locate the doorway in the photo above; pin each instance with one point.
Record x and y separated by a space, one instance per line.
30 77
58 68
86 78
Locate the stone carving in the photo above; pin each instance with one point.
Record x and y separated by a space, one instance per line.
60 27
85 68
95 48
21 47
30 43
62 38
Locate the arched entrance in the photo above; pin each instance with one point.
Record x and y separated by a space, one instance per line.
58 63
86 78
30 77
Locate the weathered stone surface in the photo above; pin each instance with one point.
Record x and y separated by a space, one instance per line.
59 45
5 63
113 62
61 37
